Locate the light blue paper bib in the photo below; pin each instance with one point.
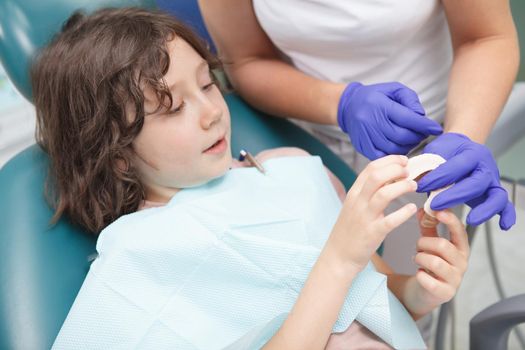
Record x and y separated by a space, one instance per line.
221 265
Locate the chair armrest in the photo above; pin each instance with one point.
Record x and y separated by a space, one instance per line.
490 328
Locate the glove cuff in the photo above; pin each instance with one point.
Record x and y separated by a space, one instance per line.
343 103
457 134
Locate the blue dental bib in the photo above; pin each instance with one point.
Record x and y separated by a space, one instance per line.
221 265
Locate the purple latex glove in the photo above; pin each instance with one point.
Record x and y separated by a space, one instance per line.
472 168
383 119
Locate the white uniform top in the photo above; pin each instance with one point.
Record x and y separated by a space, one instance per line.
370 41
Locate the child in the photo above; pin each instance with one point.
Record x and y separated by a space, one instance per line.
131 117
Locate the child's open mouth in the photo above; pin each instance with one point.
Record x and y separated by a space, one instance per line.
217 147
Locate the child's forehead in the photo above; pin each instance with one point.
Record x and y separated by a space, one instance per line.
180 50
186 64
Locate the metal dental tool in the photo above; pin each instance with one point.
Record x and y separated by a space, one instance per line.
251 159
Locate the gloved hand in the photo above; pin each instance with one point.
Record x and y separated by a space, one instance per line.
383 119
472 168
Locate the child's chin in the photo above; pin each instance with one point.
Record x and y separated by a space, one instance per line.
225 165
221 172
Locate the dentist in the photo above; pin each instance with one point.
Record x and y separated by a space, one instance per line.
329 65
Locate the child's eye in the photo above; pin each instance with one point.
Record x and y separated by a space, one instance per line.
208 86
177 109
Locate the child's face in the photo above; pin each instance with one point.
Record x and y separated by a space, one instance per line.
189 145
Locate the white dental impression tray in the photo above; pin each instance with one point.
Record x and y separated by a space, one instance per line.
419 166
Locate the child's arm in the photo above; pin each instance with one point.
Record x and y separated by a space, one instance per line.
358 232
310 322
443 264
420 293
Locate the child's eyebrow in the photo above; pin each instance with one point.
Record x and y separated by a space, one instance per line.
203 64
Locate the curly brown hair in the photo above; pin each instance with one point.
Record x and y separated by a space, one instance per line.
86 83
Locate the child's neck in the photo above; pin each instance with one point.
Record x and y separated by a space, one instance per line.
160 196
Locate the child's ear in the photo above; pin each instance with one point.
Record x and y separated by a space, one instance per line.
122 165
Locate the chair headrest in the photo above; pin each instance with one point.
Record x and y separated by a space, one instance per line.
27 25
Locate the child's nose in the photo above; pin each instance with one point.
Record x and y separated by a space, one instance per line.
211 113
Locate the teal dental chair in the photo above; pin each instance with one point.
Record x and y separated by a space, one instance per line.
42 267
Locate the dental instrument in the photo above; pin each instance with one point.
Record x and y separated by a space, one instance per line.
251 159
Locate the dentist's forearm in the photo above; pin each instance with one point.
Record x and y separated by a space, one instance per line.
480 82
280 89
257 71
317 308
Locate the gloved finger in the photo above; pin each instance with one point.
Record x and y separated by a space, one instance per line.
408 98
507 217
364 144
402 136
402 94
495 203
463 191
385 145
453 170
379 154
406 118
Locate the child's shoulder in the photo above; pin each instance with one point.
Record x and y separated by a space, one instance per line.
277 152
280 152
270 153
296 151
